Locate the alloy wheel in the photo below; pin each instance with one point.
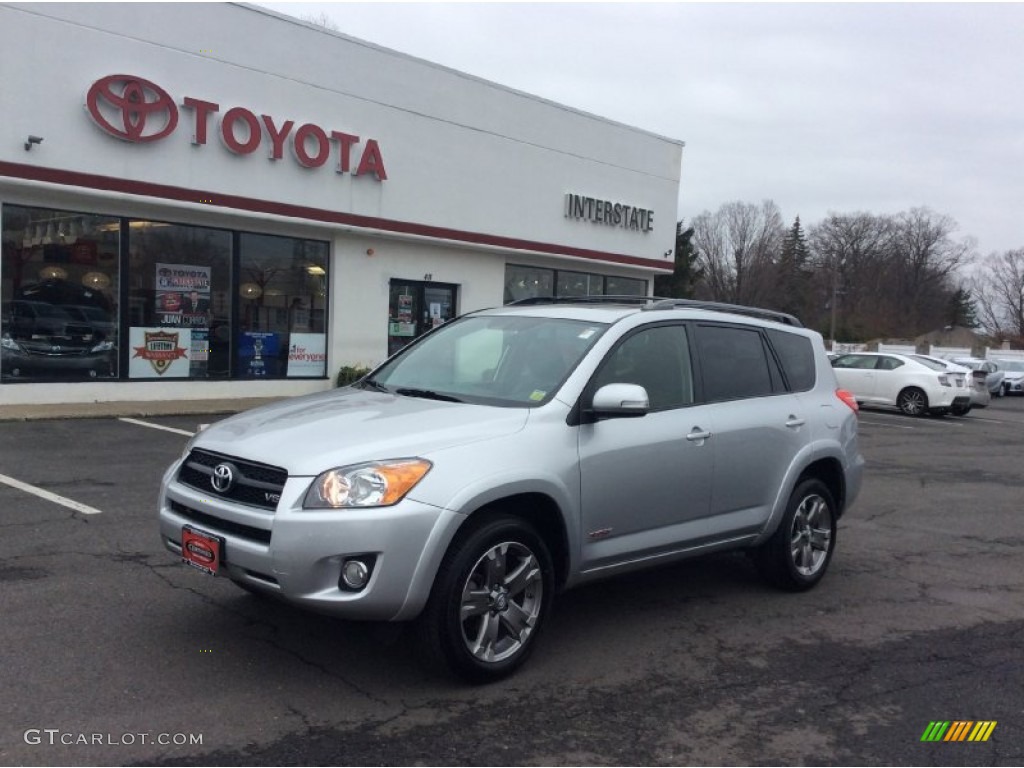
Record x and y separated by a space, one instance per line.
501 602
811 535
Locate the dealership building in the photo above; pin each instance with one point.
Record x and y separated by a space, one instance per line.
214 200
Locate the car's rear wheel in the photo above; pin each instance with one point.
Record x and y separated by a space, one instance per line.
960 410
797 555
491 597
912 402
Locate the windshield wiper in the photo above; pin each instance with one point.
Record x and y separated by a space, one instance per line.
427 394
371 384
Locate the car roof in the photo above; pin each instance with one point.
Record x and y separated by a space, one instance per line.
610 309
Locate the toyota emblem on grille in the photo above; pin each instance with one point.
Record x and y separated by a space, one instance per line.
223 478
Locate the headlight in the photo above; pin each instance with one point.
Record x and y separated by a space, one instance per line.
103 346
8 343
374 484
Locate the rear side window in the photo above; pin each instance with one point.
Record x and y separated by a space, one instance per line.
734 363
797 358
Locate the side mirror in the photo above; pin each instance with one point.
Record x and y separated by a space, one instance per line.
620 400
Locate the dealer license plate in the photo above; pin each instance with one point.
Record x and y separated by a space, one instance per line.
201 550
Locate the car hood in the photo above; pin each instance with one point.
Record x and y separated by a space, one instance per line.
1013 375
308 435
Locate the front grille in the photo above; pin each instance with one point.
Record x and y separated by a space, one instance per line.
217 525
257 485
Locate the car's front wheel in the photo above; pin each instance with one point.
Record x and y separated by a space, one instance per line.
912 402
490 599
797 555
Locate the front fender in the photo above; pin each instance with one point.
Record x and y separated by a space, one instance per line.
478 495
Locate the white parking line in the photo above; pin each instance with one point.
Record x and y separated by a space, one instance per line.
885 424
157 426
929 422
63 501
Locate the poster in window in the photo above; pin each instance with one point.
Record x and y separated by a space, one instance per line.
183 295
160 353
307 355
258 354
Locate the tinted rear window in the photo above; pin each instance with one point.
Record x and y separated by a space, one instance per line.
797 357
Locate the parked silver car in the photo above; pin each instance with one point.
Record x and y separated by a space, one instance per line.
993 373
519 451
1013 376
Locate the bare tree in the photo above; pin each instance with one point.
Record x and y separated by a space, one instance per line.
924 258
999 293
849 252
321 20
737 247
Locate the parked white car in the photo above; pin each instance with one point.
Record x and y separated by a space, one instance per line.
975 382
993 373
916 387
1013 376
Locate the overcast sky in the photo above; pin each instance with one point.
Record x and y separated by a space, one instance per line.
820 107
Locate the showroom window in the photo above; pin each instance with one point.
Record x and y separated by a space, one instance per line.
178 301
531 282
59 288
86 297
579 284
283 307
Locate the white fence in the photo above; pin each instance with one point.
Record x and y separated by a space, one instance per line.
987 353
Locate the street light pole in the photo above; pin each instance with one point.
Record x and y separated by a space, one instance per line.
835 297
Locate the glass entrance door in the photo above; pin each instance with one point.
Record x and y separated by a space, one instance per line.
415 307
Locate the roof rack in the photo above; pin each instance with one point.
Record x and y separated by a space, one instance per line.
648 303
736 309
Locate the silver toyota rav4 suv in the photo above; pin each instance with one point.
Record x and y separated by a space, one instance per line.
516 452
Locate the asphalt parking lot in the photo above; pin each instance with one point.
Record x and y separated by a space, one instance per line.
116 654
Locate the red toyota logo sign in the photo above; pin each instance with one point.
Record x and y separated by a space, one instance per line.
134 109
131 108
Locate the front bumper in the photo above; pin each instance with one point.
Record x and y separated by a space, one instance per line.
298 554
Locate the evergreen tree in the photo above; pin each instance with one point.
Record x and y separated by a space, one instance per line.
679 285
961 309
793 272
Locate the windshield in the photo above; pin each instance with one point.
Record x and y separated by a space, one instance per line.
494 360
1012 365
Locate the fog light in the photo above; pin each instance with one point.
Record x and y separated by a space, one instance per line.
355 574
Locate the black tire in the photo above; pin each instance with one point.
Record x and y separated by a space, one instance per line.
490 599
960 410
912 402
797 555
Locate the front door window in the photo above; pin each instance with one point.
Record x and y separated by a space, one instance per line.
415 307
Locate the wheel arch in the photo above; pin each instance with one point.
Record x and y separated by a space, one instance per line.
830 472
543 513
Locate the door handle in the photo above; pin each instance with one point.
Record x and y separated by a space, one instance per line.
698 434
795 422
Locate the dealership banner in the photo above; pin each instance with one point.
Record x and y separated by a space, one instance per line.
307 355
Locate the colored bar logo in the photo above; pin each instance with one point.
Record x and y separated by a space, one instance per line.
958 730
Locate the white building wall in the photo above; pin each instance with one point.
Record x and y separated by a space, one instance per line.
460 153
476 173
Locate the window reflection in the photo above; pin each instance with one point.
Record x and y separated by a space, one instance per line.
58 295
179 309
283 311
532 282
